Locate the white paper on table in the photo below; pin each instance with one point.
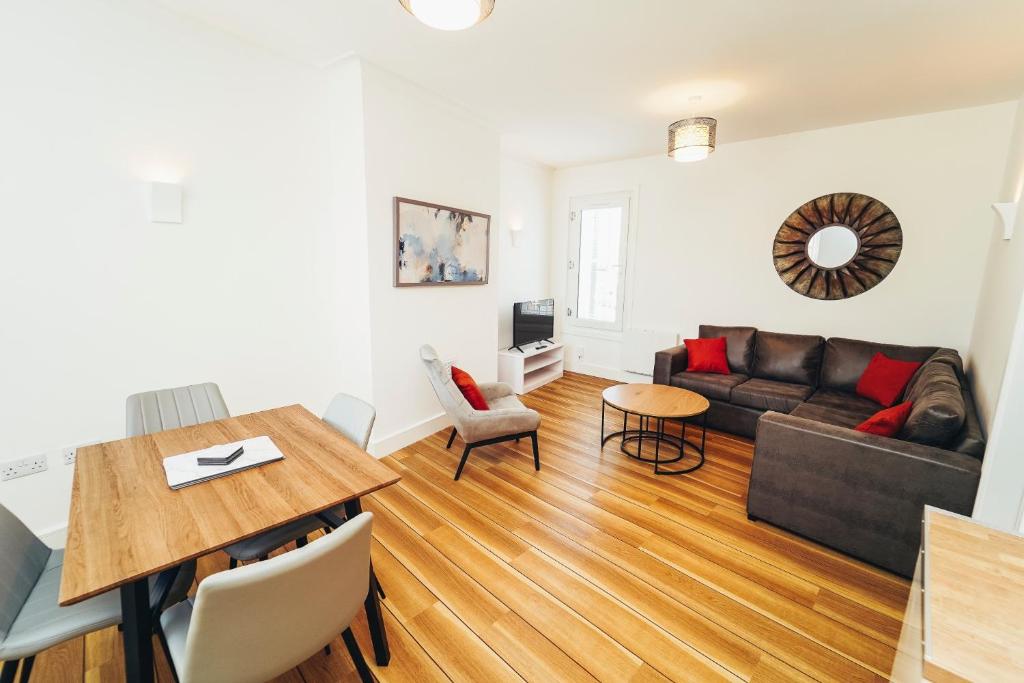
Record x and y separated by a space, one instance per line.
183 470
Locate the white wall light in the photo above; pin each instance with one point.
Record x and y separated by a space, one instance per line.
514 229
164 203
1008 213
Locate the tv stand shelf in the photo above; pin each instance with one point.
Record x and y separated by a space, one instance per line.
532 368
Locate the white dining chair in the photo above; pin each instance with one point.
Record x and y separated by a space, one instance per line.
260 620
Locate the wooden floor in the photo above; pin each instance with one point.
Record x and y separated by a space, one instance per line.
591 569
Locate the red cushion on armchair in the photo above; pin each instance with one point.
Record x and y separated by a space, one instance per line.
467 385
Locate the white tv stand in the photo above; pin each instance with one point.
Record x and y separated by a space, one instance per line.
533 367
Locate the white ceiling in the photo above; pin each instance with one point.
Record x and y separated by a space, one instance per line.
575 81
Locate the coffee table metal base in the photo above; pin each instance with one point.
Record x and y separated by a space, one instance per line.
659 436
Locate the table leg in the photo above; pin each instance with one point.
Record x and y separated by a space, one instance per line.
381 651
138 632
601 445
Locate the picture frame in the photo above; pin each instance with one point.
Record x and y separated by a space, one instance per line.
437 245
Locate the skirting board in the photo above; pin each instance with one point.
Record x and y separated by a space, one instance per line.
387 445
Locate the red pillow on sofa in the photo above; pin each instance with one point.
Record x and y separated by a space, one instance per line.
887 422
706 355
467 385
884 379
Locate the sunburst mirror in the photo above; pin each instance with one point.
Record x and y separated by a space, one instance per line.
837 246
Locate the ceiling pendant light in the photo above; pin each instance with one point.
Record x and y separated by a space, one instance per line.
449 15
692 139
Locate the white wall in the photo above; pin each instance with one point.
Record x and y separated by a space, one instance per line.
523 266
98 303
419 146
1002 283
702 233
996 360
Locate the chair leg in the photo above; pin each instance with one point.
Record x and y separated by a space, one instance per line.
380 591
357 656
301 542
462 463
264 558
451 439
327 650
9 671
26 668
232 563
536 452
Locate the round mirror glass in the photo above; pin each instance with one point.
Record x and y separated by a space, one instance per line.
832 246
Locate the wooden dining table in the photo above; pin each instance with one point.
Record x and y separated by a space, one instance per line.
126 524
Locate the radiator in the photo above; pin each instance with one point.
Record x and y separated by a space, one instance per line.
639 347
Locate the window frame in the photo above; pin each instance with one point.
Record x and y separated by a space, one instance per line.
577 205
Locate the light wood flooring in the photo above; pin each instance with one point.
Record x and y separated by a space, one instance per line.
592 568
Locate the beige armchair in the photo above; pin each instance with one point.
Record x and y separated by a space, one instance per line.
507 419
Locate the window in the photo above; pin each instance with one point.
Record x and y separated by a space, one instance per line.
598 229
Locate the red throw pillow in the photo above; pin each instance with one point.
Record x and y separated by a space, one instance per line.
706 355
887 422
467 385
884 379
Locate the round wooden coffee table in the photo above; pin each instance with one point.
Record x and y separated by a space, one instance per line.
662 403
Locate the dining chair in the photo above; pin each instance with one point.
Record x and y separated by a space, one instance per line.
354 419
30 618
156 411
507 418
261 620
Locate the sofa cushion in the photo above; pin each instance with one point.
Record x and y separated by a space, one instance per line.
939 408
887 422
708 385
767 394
739 345
846 359
885 379
706 355
836 408
793 358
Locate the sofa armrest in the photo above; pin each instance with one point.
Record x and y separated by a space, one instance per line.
493 390
860 493
668 363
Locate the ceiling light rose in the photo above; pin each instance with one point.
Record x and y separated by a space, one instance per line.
449 15
692 139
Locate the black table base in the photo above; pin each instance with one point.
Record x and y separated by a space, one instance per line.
681 445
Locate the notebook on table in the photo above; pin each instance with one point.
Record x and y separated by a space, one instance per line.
184 470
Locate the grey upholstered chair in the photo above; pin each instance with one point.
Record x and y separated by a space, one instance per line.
163 409
352 417
30 618
261 620
507 418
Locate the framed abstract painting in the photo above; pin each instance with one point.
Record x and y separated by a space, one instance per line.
440 245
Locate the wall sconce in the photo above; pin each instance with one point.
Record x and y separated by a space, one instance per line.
164 203
1008 213
514 229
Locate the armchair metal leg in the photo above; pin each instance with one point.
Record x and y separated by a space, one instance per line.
536 451
451 439
232 563
9 671
301 542
26 668
462 463
357 656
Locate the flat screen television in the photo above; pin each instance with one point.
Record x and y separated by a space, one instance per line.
533 321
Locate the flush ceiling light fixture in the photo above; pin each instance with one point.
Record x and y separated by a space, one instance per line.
692 139
449 15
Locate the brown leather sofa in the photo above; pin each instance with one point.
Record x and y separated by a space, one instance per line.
812 473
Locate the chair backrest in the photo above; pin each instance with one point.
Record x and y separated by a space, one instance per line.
22 559
260 620
352 417
451 398
156 411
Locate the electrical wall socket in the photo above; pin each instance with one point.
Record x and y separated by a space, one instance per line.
69 455
12 469
579 353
